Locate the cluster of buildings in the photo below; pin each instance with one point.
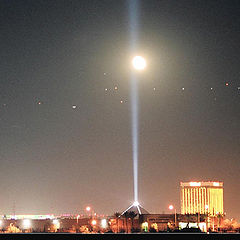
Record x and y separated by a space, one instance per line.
201 208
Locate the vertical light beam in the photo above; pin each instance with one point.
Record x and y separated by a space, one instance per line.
133 28
134 106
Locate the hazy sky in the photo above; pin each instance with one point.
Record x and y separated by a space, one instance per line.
59 54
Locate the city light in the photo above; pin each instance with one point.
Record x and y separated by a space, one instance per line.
136 203
195 184
94 222
26 223
145 226
56 223
104 223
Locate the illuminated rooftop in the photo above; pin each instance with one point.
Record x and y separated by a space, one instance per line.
28 216
202 184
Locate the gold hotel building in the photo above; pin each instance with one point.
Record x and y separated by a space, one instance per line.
201 197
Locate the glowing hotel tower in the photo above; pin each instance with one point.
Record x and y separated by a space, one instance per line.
201 197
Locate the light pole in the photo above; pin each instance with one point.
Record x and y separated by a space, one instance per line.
78 218
171 207
89 209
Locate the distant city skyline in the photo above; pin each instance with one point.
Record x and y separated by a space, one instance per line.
65 104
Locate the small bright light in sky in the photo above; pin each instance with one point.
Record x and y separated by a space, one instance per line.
74 106
139 63
88 208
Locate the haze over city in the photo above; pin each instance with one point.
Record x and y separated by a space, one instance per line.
65 104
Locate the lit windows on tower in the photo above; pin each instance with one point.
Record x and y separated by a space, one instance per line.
201 197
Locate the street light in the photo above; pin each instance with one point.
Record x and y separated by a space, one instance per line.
88 209
93 225
94 222
207 210
171 207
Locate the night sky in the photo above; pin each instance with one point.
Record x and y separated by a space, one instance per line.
65 112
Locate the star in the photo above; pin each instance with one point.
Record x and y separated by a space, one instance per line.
115 88
226 83
105 89
154 89
121 101
39 103
183 88
74 106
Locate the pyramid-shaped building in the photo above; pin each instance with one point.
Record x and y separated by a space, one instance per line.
136 208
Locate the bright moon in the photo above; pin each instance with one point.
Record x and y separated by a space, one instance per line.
139 63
